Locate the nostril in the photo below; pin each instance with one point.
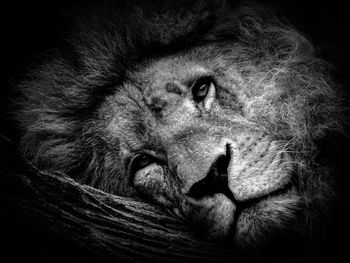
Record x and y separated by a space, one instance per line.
215 181
202 188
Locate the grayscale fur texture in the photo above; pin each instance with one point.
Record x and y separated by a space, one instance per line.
70 100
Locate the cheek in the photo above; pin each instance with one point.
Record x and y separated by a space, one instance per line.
153 183
275 214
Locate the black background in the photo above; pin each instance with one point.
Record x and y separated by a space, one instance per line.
31 28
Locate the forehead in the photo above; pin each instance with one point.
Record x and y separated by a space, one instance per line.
182 68
132 122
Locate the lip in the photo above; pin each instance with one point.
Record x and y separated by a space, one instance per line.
198 210
241 206
253 201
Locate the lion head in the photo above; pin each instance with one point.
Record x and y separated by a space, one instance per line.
211 110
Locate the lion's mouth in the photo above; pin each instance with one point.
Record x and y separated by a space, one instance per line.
241 205
224 217
216 182
223 209
247 204
213 185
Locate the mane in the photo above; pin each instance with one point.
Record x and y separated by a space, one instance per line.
293 95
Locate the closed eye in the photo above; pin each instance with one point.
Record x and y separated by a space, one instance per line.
140 161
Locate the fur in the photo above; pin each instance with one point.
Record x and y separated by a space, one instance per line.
285 88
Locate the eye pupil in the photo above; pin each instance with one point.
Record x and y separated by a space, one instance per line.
200 89
140 162
200 92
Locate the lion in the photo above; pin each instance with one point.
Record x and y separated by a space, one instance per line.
213 111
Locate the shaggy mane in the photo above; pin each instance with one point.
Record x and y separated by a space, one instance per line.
289 89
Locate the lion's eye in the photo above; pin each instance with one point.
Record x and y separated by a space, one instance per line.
201 88
140 162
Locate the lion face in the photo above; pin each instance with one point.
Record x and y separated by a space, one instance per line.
197 154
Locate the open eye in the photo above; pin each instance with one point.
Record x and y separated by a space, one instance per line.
201 88
140 162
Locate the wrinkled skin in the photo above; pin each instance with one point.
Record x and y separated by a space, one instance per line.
221 128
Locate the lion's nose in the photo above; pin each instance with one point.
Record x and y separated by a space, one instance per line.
216 181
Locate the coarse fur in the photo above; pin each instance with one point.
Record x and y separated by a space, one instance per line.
94 101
